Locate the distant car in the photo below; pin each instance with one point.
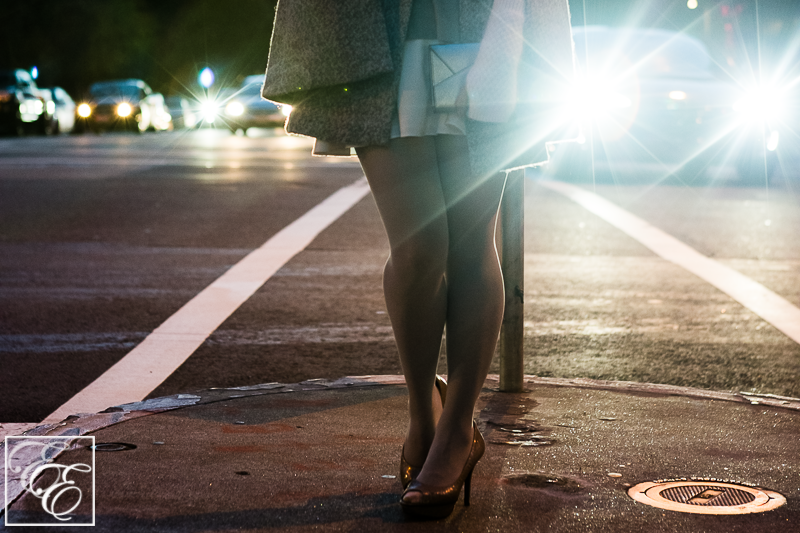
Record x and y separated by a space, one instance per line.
651 96
122 104
49 120
22 106
245 108
184 115
65 110
160 118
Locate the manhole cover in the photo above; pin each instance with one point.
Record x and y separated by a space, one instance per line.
706 497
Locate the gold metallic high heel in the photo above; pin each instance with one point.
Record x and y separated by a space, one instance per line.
438 502
441 385
409 473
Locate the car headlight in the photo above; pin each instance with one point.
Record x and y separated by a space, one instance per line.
209 109
773 140
84 110
234 109
124 110
760 104
593 97
34 107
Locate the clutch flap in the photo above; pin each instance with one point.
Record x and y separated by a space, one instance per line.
447 59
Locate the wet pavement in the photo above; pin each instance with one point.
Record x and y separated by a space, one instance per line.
323 456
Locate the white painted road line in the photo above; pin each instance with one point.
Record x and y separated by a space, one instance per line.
12 429
771 307
149 161
168 346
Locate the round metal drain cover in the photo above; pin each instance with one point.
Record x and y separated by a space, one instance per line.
706 497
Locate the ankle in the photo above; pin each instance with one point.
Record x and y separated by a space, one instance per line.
455 433
417 443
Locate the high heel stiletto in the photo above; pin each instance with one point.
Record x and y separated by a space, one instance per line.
409 473
438 502
441 385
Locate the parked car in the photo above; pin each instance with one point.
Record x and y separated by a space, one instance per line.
652 97
245 108
22 106
122 104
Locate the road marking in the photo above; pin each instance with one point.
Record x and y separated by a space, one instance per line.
13 429
771 307
168 346
149 161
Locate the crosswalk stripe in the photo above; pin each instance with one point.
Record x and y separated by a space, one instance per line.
771 307
165 349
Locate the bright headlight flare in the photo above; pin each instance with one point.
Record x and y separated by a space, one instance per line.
605 103
209 110
760 104
677 95
124 110
774 139
234 109
286 110
597 96
84 110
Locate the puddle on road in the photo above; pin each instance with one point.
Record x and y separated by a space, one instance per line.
544 480
519 434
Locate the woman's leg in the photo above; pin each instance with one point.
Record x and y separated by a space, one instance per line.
475 304
404 179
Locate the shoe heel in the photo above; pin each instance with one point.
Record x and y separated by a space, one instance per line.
441 386
467 485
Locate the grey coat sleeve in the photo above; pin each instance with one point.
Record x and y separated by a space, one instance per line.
325 43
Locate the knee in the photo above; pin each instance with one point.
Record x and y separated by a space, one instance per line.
419 258
473 247
473 257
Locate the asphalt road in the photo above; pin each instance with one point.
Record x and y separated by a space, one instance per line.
102 238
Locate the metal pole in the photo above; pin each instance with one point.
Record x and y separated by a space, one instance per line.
513 265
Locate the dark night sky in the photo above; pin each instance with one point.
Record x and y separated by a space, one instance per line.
166 42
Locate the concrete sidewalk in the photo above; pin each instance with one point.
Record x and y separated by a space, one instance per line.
324 456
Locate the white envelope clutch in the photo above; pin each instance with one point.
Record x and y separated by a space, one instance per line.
450 64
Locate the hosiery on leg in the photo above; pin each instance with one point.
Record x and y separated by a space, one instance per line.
405 183
474 308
